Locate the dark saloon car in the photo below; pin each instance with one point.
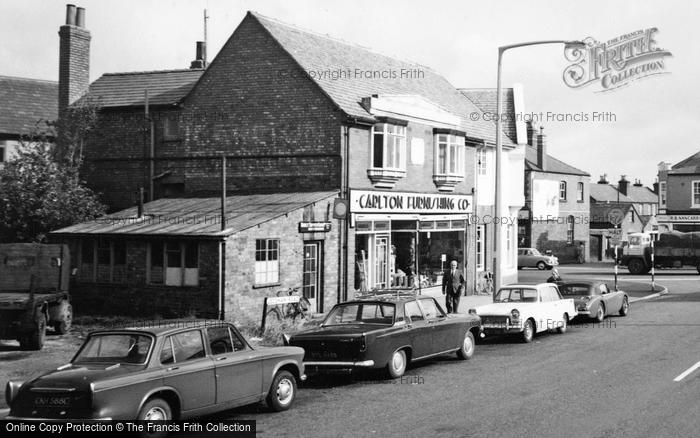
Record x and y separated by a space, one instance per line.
386 331
165 371
594 299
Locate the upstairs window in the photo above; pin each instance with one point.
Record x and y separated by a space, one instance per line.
450 154
696 194
481 162
562 190
579 192
662 194
389 146
171 127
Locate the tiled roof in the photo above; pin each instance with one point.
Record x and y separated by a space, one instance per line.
24 102
165 87
607 193
197 217
599 212
691 161
642 194
320 53
485 99
553 165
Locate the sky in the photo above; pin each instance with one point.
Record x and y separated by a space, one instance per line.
651 120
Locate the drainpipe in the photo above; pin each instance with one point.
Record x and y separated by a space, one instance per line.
222 244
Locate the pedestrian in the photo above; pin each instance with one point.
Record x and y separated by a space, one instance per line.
452 287
581 253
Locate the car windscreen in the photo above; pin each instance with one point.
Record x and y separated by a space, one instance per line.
516 295
536 252
361 313
575 289
115 348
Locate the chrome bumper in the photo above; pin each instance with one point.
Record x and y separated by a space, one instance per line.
364 363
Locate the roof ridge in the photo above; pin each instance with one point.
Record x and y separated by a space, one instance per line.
28 79
145 72
258 15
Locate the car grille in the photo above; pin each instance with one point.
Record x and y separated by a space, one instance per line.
58 405
500 320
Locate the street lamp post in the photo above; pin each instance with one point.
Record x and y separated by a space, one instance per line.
499 151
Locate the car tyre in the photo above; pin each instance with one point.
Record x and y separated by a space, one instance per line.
528 331
35 339
283 391
397 364
600 313
541 266
636 266
466 351
64 318
564 325
155 409
625 308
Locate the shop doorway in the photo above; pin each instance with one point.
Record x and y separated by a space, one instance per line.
381 257
312 278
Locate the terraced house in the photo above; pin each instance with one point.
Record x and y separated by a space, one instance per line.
345 170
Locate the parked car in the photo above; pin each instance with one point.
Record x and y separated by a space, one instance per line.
386 331
532 258
169 370
526 310
594 299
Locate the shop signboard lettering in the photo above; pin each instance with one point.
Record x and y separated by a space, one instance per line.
367 201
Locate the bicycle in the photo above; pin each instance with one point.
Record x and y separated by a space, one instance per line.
485 284
290 310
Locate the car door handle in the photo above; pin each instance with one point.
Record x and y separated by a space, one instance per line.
173 368
222 358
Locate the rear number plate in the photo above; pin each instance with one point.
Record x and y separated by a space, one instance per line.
52 401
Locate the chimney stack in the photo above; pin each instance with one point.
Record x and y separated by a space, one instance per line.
638 183
74 58
201 59
530 133
603 179
542 150
656 186
622 184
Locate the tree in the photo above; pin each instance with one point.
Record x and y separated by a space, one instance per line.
40 188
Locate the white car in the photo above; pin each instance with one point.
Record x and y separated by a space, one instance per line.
526 309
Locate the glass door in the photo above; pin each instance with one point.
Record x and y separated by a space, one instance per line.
381 265
311 281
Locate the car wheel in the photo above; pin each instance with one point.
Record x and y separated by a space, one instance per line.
155 409
466 351
636 266
625 308
397 364
600 314
64 318
564 325
282 391
35 340
541 266
528 331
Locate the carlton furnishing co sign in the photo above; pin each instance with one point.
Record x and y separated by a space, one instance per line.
368 201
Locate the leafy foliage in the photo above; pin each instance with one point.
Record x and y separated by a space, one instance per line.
40 188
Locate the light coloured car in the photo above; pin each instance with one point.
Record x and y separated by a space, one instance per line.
526 309
532 258
594 299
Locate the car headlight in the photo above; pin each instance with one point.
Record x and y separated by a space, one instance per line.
286 338
515 314
472 311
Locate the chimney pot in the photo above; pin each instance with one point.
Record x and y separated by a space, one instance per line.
80 17
201 56
70 15
603 179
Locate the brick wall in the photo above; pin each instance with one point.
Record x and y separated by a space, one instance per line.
243 296
73 65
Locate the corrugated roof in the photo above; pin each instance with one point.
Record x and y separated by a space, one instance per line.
485 99
320 53
25 102
165 87
554 165
197 217
607 193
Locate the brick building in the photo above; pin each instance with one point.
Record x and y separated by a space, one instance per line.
601 247
679 195
297 112
556 213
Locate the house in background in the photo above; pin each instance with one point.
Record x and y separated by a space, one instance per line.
679 195
601 246
24 105
392 139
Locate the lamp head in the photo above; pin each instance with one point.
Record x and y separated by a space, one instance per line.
575 45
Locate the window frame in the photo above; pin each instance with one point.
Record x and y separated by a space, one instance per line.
580 188
481 163
184 256
695 191
268 281
94 247
480 243
570 229
563 188
452 143
662 194
396 133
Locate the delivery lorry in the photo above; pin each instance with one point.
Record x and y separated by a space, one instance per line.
673 249
34 294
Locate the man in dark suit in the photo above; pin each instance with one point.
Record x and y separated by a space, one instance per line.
452 287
